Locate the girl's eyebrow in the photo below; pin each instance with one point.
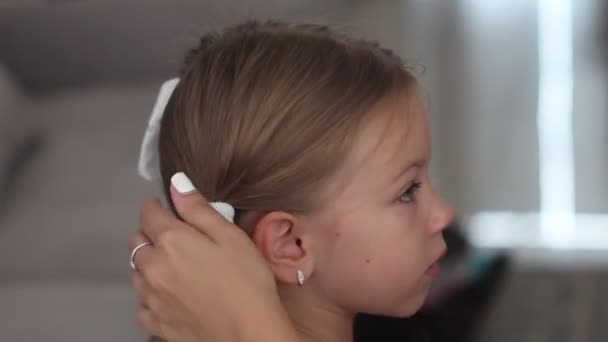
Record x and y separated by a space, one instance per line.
417 163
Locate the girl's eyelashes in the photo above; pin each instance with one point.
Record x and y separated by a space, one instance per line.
408 196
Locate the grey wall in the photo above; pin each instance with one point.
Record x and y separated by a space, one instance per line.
53 45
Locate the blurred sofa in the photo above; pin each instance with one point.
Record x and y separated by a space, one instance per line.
64 271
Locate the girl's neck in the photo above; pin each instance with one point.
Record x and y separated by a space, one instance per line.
314 319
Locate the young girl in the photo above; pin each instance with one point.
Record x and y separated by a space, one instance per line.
321 145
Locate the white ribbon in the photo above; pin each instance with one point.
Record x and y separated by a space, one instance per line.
148 165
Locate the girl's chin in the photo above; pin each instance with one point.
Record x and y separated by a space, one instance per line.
408 309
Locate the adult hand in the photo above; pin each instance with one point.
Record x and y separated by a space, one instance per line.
202 278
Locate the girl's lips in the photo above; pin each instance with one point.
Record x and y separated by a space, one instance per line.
434 270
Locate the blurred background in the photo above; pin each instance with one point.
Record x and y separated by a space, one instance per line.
519 113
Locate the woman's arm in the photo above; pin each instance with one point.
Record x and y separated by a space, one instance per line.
203 279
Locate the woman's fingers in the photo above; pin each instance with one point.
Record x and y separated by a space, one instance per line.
154 220
183 254
144 316
157 223
141 256
139 285
194 209
148 321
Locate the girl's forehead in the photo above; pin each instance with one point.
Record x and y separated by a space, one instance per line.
397 131
386 145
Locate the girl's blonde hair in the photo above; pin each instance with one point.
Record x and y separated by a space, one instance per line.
265 113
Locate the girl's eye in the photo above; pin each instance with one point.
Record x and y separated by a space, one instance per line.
408 195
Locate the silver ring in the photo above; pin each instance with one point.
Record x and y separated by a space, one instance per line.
143 244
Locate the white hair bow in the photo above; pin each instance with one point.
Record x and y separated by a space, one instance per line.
148 164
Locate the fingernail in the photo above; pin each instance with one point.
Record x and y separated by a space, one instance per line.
225 209
182 183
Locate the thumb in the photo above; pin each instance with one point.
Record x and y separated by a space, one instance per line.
195 210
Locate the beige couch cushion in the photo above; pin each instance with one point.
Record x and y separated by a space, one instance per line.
79 200
15 123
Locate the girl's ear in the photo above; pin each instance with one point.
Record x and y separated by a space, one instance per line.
278 237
